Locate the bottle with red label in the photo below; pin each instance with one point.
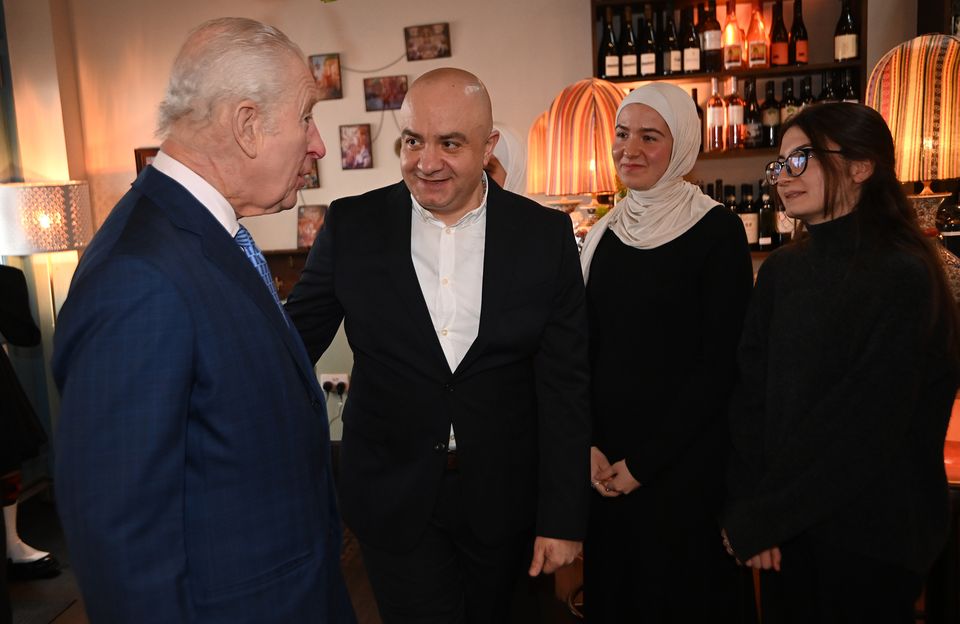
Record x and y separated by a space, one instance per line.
779 38
799 43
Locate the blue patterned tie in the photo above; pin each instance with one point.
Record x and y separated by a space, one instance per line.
255 256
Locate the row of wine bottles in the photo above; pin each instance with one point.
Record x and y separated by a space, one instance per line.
767 226
735 122
702 46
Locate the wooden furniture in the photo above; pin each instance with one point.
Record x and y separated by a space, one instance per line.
286 266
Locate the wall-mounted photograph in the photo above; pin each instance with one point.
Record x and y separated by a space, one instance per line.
384 93
309 222
356 148
312 179
144 156
428 41
326 71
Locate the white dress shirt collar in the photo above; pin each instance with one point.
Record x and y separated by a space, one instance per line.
202 190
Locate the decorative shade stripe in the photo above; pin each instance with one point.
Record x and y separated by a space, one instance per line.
537 155
916 87
43 217
580 129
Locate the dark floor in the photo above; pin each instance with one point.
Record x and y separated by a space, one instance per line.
58 600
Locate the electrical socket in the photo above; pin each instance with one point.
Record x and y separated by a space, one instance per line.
334 379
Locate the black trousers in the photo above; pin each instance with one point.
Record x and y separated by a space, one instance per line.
822 583
450 576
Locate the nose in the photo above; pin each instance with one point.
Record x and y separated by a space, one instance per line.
631 147
315 146
429 160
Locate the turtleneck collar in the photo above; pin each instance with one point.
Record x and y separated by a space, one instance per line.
836 234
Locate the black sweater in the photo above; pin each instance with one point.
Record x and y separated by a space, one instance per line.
846 388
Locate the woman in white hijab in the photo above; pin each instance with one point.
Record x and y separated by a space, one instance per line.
668 275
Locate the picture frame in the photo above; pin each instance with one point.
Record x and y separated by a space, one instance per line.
384 93
427 41
309 221
356 147
326 72
312 179
143 156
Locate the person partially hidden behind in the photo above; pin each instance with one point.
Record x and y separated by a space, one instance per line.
467 432
193 470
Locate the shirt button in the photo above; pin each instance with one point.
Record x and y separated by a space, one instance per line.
443 332
449 230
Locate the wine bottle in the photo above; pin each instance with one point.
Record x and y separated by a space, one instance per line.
628 45
847 91
710 192
779 38
730 198
770 117
696 103
806 92
768 238
732 39
689 42
757 41
711 40
752 117
719 186
785 224
736 131
799 43
716 119
670 54
827 93
748 215
846 36
608 64
788 105
648 48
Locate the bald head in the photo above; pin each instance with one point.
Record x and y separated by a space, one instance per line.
451 87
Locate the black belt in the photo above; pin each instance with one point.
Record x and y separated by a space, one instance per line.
453 464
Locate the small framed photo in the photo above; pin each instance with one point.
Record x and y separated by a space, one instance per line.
429 41
144 156
309 221
356 148
312 179
384 93
326 71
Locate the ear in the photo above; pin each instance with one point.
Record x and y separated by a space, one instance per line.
489 145
861 170
247 125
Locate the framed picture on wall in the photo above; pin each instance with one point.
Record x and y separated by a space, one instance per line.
428 41
326 71
356 147
312 179
309 222
385 93
144 156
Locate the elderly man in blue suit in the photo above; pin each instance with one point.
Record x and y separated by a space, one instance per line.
193 475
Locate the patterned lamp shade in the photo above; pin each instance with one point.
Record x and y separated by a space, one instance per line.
580 127
916 87
537 155
42 217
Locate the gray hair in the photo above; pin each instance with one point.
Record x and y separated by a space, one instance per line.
225 60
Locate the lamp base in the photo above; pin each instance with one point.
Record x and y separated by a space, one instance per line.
926 206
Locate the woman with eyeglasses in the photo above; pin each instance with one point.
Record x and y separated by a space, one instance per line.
668 279
849 369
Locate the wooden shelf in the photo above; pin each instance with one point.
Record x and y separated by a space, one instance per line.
755 72
768 152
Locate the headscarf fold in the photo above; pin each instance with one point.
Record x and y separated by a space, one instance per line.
646 219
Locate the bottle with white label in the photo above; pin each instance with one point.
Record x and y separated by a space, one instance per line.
648 48
749 216
671 57
768 238
716 119
608 56
757 51
846 36
732 39
788 105
736 130
711 41
628 45
689 43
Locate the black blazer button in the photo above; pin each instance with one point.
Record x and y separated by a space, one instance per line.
316 403
440 447
448 387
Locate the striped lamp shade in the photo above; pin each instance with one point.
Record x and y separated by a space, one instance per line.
537 155
580 126
916 87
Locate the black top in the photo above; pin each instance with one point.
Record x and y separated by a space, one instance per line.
664 325
839 422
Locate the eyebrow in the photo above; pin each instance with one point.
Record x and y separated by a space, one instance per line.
641 129
799 147
459 136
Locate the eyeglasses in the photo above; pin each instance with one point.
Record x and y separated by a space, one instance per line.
795 163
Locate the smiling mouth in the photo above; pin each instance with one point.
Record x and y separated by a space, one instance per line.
792 194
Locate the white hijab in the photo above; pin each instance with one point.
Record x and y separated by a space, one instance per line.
650 218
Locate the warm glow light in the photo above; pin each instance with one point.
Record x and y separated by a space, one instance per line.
44 221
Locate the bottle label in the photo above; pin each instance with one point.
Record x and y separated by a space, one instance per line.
752 136
648 64
778 53
734 114
731 56
845 47
751 223
715 116
784 222
803 51
611 66
710 40
691 60
674 60
766 240
758 54
771 116
787 112
629 62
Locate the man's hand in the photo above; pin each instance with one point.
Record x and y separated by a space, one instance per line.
615 480
550 553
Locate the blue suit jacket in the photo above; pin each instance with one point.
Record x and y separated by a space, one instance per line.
193 474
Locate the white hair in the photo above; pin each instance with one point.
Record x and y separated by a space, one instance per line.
226 60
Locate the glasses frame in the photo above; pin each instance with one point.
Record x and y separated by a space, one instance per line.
773 169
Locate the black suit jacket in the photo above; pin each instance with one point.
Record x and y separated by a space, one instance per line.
517 401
